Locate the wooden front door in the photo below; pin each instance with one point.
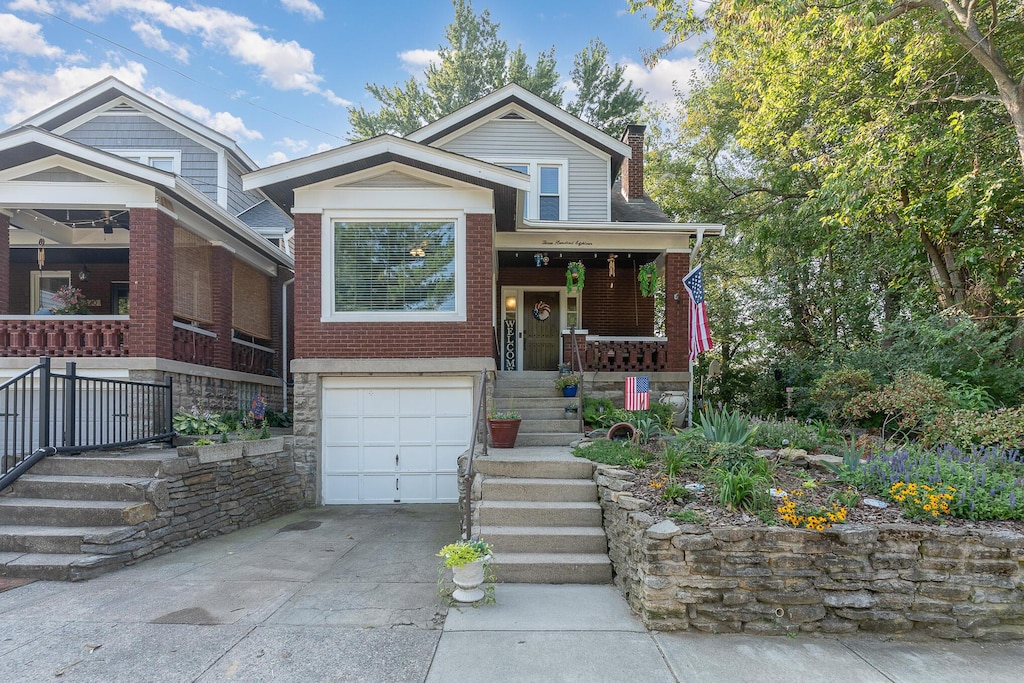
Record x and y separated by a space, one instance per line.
542 338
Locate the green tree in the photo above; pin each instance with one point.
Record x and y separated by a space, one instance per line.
476 61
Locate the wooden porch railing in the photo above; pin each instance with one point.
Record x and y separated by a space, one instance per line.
249 357
63 335
623 354
192 344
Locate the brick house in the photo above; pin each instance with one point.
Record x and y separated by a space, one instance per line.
142 208
421 261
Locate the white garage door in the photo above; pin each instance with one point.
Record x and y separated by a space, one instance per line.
394 439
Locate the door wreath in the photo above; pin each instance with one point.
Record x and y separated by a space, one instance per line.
541 310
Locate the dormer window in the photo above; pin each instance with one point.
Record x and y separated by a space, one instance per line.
162 159
547 199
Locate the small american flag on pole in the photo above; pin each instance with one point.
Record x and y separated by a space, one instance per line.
638 391
700 331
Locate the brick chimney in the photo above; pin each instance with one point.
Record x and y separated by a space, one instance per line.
633 168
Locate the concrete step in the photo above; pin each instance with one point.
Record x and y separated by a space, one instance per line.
537 489
545 539
538 463
552 568
546 438
54 512
526 393
57 566
101 467
556 412
56 539
548 426
527 377
79 487
539 513
540 402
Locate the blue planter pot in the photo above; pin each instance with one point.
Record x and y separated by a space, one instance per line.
570 391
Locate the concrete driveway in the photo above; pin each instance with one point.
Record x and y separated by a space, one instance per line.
350 594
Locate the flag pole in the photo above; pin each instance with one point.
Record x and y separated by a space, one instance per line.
694 257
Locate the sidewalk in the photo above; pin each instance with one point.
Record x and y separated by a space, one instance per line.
350 594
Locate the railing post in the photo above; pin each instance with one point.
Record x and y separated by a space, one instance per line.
70 393
44 401
168 405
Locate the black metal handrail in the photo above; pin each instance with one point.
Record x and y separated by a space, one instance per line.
478 414
44 410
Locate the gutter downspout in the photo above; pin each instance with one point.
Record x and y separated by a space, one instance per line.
693 257
284 341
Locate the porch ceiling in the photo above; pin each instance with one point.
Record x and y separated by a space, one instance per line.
559 259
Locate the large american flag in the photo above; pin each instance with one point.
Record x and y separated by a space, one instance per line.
700 331
638 391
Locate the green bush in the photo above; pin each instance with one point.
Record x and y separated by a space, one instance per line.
742 490
907 405
966 428
835 388
771 434
692 446
598 411
730 456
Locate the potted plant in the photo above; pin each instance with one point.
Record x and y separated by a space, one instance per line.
70 301
569 384
504 427
648 278
571 408
575 273
466 559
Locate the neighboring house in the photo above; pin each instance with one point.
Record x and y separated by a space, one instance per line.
142 208
422 261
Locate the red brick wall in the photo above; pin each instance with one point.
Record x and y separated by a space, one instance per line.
5 262
222 265
151 283
677 312
633 168
617 311
314 339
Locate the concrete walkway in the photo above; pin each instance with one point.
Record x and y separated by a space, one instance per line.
350 594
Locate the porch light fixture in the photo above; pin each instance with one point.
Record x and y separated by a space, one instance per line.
83 274
510 303
541 259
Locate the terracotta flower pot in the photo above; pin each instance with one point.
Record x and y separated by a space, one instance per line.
503 432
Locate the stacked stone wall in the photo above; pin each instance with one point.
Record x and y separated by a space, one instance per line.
893 578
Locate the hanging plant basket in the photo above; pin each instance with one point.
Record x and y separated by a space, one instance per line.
575 273
648 278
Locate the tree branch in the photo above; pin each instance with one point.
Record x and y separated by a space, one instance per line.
980 97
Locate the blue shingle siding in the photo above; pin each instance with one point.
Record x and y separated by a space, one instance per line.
239 201
58 174
267 217
113 132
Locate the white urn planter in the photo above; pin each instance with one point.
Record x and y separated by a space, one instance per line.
468 578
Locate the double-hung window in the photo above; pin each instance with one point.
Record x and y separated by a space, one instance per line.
547 199
394 268
163 159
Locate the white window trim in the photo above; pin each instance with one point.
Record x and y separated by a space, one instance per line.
534 164
146 154
34 278
328 314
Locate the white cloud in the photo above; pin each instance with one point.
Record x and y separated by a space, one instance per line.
305 7
286 65
24 37
416 61
24 93
323 147
152 37
293 146
275 158
661 82
43 6
221 121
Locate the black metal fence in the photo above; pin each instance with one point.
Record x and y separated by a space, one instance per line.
41 409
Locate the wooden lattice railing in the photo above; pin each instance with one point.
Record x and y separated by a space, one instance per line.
63 336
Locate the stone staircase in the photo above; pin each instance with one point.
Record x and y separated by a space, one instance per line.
537 507
72 518
541 405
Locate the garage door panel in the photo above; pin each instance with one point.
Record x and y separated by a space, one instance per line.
379 401
418 488
417 458
416 430
378 459
379 430
446 457
416 402
341 489
341 430
341 459
450 401
378 488
448 429
447 488
341 402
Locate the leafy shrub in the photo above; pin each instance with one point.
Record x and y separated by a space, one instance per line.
835 388
723 426
730 456
688 516
966 428
598 411
908 404
772 433
692 446
607 452
198 422
647 426
276 419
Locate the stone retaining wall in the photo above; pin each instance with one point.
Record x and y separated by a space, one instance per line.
894 578
200 496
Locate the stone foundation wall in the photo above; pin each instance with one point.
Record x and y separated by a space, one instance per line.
216 394
200 496
928 580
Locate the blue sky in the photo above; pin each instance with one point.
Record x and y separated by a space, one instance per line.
278 75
